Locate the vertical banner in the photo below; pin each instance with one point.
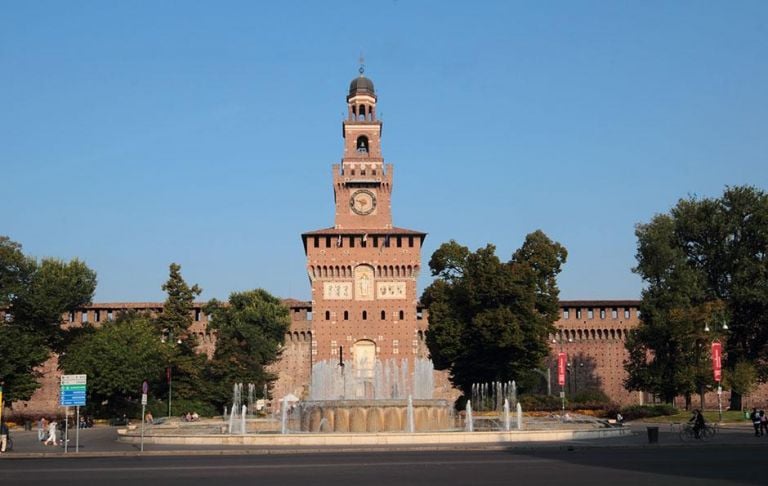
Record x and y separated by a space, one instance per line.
561 369
717 360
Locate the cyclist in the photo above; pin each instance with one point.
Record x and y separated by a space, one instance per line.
698 423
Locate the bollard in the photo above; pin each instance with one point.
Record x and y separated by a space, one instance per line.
653 435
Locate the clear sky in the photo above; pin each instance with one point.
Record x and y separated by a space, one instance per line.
136 134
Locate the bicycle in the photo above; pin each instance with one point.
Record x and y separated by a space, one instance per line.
687 433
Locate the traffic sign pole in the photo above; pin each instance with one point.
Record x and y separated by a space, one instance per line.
66 430
77 433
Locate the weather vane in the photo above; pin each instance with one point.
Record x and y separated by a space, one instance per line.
362 64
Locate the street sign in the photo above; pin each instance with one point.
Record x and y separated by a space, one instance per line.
143 398
145 387
73 388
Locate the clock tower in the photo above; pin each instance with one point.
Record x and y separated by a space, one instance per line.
363 270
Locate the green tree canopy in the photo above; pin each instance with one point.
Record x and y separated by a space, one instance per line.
117 358
703 263
187 365
35 295
250 329
489 320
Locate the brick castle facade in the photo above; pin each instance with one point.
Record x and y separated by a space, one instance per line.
363 274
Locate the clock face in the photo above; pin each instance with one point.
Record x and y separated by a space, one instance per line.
363 202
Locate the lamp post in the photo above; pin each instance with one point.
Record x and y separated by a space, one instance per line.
561 366
169 340
717 361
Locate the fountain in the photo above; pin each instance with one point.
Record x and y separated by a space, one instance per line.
519 417
505 415
346 398
469 425
491 396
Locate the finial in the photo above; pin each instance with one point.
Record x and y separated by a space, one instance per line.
362 64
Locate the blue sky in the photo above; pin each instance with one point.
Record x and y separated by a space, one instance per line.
136 134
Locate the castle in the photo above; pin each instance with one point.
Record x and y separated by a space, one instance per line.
363 273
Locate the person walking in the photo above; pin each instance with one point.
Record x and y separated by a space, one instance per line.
755 418
3 436
763 423
51 433
42 425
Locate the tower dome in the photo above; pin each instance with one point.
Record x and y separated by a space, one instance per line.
361 85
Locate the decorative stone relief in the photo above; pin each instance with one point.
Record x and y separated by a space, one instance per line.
337 290
390 290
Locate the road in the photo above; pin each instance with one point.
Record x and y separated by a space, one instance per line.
624 466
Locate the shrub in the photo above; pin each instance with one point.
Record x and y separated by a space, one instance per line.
540 403
635 412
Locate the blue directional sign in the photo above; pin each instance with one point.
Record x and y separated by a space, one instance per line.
73 390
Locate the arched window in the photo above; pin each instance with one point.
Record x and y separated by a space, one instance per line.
362 144
327 315
402 315
365 315
383 315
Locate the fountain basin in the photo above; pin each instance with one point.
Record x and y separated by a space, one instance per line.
374 416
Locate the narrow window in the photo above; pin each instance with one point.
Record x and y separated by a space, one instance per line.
71 317
364 241
590 313
365 315
410 241
327 241
351 241
614 313
383 315
402 315
316 242
346 315
110 316
309 315
578 313
197 315
98 316
84 317
419 314
602 313
626 313
566 314
327 315
399 242
375 241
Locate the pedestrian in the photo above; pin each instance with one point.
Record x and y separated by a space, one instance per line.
42 424
3 436
51 433
619 418
755 418
698 423
763 423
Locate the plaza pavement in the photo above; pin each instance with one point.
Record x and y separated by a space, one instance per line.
101 441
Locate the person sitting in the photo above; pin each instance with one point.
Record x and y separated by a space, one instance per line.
698 423
148 418
195 417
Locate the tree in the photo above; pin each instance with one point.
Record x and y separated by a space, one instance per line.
35 295
250 329
117 358
186 365
703 262
489 320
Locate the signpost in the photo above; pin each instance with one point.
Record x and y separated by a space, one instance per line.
73 388
144 390
561 362
717 370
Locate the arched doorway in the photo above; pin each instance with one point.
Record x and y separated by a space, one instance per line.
364 363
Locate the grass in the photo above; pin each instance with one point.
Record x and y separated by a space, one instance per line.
709 416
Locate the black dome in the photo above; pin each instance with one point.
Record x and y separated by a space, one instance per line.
361 85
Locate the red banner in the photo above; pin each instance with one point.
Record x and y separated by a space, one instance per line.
561 369
717 360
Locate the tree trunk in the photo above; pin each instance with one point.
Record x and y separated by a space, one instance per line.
687 401
736 400
702 391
